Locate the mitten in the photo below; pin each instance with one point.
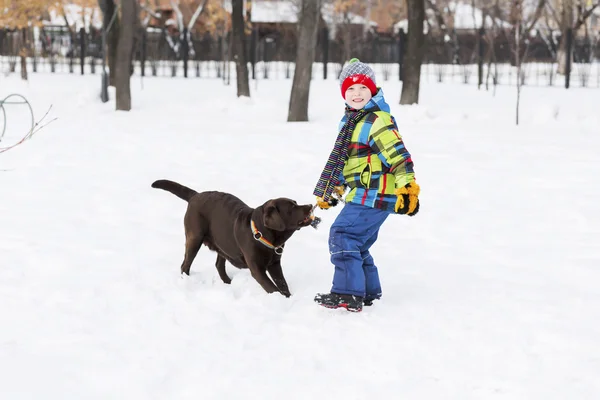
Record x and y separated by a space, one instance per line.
339 190
408 199
324 205
338 194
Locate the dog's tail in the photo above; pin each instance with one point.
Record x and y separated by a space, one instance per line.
183 192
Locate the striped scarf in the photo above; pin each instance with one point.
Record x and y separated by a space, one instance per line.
335 163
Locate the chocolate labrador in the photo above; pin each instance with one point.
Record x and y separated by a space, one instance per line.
247 237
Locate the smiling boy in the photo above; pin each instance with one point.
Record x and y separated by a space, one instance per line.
369 158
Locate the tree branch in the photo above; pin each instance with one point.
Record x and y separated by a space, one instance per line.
444 27
473 14
438 16
64 14
553 13
197 14
583 17
150 11
179 15
536 16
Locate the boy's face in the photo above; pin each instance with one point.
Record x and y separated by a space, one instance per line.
357 96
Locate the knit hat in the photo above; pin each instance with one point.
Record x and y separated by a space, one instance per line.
356 72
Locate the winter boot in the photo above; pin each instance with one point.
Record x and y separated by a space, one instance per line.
335 300
370 299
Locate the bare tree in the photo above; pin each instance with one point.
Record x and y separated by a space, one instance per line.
367 21
23 52
305 55
121 27
149 13
518 61
185 30
110 26
492 9
522 25
343 14
125 47
239 47
442 14
572 15
20 16
414 52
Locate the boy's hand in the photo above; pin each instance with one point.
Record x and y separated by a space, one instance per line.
339 190
408 199
324 205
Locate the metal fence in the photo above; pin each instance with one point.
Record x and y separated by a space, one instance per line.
471 59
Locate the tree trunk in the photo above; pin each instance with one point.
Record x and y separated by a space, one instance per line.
518 61
112 42
109 8
124 54
347 37
23 54
305 55
566 23
561 55
239 48
24 75
414 52
367 24
137 33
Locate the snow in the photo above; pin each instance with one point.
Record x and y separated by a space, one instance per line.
274 12
490 292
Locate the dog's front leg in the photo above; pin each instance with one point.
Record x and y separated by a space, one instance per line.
277 275
260 275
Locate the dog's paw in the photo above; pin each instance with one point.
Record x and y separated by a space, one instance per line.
226 281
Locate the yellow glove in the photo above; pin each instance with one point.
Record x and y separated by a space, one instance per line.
339 190
323 205
408 199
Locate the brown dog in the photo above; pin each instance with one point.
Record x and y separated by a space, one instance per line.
246 237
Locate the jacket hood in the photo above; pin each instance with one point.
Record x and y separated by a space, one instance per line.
377 102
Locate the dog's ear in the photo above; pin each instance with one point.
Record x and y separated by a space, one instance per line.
271 217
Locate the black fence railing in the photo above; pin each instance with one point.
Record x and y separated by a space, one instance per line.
159 53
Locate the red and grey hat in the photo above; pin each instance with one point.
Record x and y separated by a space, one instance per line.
356 72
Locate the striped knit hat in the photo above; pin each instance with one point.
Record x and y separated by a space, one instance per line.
356 72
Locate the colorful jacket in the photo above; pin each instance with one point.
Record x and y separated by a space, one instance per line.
378 162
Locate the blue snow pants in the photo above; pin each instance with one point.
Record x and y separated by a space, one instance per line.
352 234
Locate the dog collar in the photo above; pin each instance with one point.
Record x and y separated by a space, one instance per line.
259 237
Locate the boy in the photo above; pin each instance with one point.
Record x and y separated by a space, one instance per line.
370 159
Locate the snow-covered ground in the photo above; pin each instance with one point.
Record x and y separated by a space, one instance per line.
490 292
